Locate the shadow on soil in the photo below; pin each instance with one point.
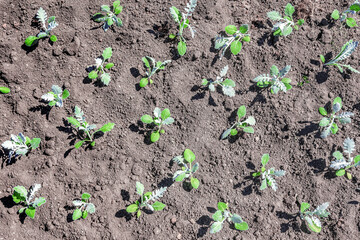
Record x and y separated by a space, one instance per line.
204 221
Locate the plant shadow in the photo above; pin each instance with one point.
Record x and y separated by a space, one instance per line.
204 221
308 129
43 109
318 165
292 223
141 129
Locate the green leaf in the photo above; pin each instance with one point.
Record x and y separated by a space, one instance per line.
29 41
84 214
35 142
286 80
73 121
230 29
304 206
93 74
334 128
143 82
85 196
21 210
233 132
312 225
335 14
172 36
180 177
275 16
348 175
109 65
195 182
355 7
204 82
189 156
248 129
340 172
323 111
241 112
351 22
338 155
52 103
300 22
53 38
79 144
338 100
158 206
357 159
132 208
155 136
222 206
181 48
147 119
287 31
76 214
228 82
107 127
107 53
215 227
138 214
30 212
4 90
244 29
165 114
20 194
257 174
289 9
146 62
105 8
65 94
235 47
140 188
246 39
226 134
116 4
265 159
242 226
324 122
217 216
274 70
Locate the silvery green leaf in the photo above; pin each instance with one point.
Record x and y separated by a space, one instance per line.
338 155
92 126
346 51
236 218
224 71
336 107
51 26
312 220
263 184
192 31
8 145
21 151
274 15
157 112
284 71
41 15
179 159
38 202
98 62
279 173
158 193
59 102
78 203
105 78
339 164
41 34
90 208
345 120
287 30
262 78
48 97
105 8
177 173
345 115
229 91
14 138
349 145
325 133
190 7
226 133
274 71
139 188
275 89
215 227
324 122
221 41
321 210
150 207
212 87
174 14
250 120
195 167
168 121
151 61
272 183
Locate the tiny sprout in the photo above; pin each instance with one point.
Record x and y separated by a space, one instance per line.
227 85
83 207
160 118
313 218
349 21
284 25
182 19
223 214
47 26
245 126
145 199
275 80
21 195
152 67
186 171
345 52
328 123
20 145
56 96
109 18
82 126
99 68
235 41
341 164
4 90
267 175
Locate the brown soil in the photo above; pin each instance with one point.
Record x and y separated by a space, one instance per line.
286 123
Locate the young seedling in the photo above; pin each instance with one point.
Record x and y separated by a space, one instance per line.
341 164
312 218
182 19
268 175
284 25
56 96
345 52
152 67
83 207
328 121
20 145
227 85
275 80
186 171
223 214
4 90
344 18
160 118
109 18
244 126
47 26
83 126
21 195
99 68
146 199
235 40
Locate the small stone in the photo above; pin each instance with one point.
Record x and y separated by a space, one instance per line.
136 170
196 55
157 231
173 220
49 164
56 52
331 95
49 152
192 221
228 104
256 139
97 188
49 226
179 236
8 190
326 36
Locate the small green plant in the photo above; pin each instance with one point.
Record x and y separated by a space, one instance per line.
21 195
227 85
99 68
275 80
4 90
341 164
160 118
312 218
152 67
145 200
47 26
20 145
328 121
235 40
268 175
82 126
305 79
345 52
223 214
83 207
344 18
110 17
182 19
284 25
244 126
186 171
56 97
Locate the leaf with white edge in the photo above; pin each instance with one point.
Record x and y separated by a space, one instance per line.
229 91
195 167
336 107
236 218
90 208
215 227
38 202
346 51
263 184
274 15
56 89
284 71
158 193
262 78
41 15
248 129
217 216
224 71
225 134
157 112
178 159
279 173
212 87
321 210
21 191
139 188
250 120
338 155
105 78
313 223
48 97
168 121
176 15
78 203
324 122
105 8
